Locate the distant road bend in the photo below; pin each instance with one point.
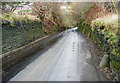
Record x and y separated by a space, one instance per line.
67 60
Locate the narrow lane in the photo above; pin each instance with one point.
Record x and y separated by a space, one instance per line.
68 60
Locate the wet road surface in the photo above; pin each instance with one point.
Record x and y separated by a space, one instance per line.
68 60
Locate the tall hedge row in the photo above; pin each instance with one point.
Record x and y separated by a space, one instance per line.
107 39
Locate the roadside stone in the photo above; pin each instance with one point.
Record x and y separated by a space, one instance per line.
104 62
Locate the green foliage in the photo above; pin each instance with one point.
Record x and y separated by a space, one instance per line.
115 62
7 16
113 39
104 35
15 19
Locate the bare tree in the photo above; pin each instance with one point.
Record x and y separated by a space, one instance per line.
10 7
49 15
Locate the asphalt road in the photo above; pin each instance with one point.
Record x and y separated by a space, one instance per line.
68 60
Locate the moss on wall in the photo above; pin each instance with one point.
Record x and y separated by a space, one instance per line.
107 40
17 32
